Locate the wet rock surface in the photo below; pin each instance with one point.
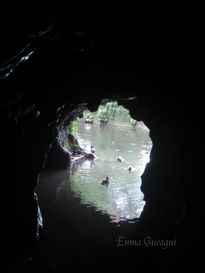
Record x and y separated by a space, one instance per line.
147 80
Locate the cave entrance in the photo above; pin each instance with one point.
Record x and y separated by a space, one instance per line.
109 143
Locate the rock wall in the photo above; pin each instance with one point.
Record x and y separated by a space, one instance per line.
147 81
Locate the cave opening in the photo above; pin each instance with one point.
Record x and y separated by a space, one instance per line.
109 151
78 211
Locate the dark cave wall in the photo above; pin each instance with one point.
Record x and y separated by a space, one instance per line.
118 69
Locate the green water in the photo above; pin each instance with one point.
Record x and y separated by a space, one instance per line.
122 200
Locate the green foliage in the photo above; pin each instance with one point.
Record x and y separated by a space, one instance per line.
73 128
122 115
107 112
87 114
111 112
133 121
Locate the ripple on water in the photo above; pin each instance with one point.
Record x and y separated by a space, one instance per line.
122 200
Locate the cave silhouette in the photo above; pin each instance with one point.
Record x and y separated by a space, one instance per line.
48 73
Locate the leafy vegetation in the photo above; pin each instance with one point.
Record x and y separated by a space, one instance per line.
107 112
88 116
112 112
73 128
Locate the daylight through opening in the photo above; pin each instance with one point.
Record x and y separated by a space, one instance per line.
109 151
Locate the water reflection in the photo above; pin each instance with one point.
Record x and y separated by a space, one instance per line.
122 199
